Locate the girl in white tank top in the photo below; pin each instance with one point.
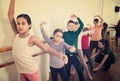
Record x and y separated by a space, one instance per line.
22 46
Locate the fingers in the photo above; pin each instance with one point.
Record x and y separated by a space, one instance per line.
95 69
42 23
96 16
73 16
65 59
62 40
73 49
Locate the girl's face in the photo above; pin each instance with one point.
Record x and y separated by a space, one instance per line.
71 26
58 37
22 25
100 45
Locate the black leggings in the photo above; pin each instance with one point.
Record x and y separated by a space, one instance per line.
61 71
78 66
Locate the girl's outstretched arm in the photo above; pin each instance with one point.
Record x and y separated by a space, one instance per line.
11 16
36 41
100 65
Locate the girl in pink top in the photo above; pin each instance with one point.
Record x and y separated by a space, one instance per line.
83 49
85 41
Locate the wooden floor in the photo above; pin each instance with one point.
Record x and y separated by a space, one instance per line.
112 75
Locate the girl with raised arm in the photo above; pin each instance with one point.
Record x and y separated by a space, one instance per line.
23 46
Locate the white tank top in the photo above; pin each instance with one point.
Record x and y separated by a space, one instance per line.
22 55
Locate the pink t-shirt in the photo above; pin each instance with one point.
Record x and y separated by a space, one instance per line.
85 41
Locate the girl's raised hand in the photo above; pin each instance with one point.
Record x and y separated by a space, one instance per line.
96 16
73 16
42 23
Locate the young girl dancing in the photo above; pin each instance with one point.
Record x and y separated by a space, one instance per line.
23 46
57 42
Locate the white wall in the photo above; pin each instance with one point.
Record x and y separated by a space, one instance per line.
56 13
115 15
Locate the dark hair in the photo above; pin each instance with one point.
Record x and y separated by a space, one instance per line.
105 25
118 24
70 21
85 29
57 30
27 17
76 23
105 42
96 20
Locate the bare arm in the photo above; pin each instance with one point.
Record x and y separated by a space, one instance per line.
11 16
36 41
94 54
100 65
84 63
103 61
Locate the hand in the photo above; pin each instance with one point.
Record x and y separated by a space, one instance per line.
65 59
96 16
42 23
89 25
95 69
73 16
61 40
73 49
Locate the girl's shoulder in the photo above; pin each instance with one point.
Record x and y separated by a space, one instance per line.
109 51
33 38
16 36
105 52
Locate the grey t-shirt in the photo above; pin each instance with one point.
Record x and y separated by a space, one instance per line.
55 61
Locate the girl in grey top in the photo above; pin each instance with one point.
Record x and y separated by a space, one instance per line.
56 42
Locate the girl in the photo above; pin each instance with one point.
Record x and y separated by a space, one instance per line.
56 42
22 46
83 47
104 56
96 36
85 41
